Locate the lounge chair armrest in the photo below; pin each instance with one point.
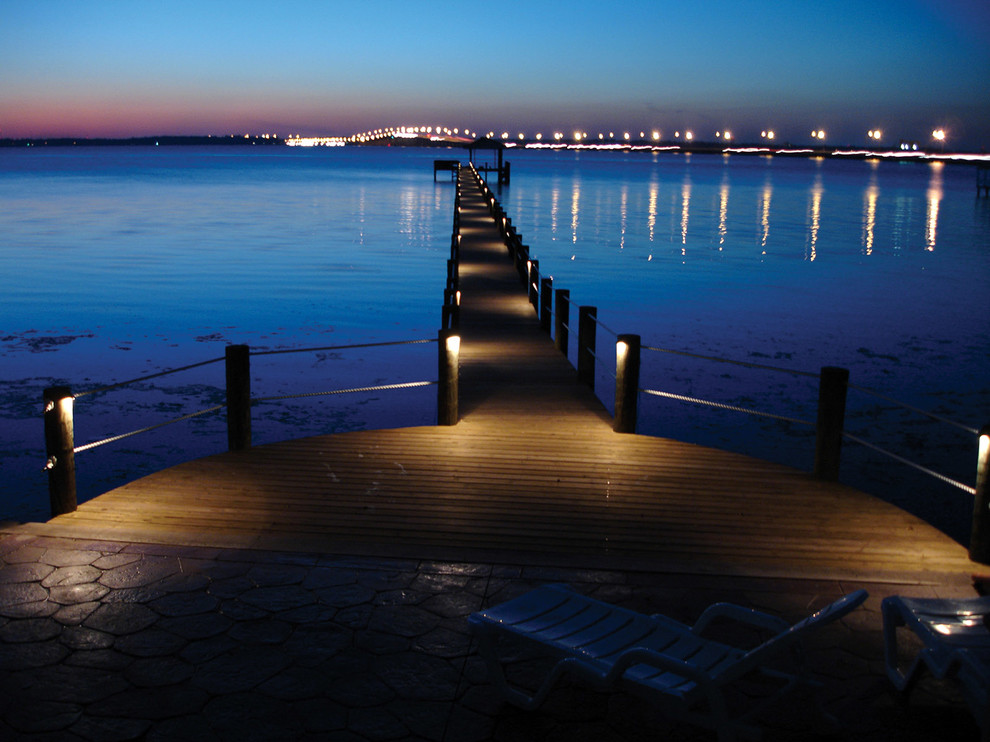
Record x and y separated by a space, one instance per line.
733 612
643 656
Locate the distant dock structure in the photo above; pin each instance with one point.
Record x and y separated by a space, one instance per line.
451 166
487 144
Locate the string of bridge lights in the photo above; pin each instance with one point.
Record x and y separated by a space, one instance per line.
559 138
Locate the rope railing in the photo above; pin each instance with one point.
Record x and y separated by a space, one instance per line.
340 347
912 408
723 406
379 388
156 375
149 428
604 326
746 364
912 464
61 450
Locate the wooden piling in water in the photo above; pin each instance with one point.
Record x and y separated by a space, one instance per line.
627 349
59 447
238 373
833 385
546 299
587 331
979 540
562 302
533 283
448 354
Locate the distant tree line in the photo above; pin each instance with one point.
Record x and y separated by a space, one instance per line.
164 141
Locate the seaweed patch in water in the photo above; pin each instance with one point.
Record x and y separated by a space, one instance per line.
41 343
870 354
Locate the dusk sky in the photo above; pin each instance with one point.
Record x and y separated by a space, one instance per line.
135 67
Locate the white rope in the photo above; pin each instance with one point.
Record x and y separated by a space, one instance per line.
920 411
112 439
729 360
145 378
919 467
383 387
721 406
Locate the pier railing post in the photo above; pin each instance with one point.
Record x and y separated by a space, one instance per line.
533 286
546 299
979 540
59 447
453 279
562 302
520 258
238 369
449 343
833 385
626 383
587 331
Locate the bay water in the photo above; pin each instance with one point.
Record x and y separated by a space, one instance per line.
120 262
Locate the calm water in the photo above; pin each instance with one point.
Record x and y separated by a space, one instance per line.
123 262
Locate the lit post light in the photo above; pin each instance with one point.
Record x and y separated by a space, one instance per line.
979 541
627 348
447 391
656 135
768 134
689 135
875 134
60 450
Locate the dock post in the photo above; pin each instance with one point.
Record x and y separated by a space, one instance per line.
520 257
587 330
626 383
59 448
533 268
562 301
238 366
546 299
447 386
453 280
979 540
832 388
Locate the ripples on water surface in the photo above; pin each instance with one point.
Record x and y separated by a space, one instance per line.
122 262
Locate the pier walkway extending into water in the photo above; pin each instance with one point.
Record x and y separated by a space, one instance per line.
322 585
532 470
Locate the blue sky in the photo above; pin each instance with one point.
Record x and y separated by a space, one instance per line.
133 67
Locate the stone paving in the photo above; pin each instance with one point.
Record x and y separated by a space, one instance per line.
118 641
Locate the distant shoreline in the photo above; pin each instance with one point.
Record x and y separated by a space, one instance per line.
635 146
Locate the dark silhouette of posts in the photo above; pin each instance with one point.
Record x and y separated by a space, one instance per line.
238 368
533 285
59 447
562 300
546 297
626 383
447 386
587 330
979 540
832 388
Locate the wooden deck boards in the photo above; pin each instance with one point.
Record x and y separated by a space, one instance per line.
532 472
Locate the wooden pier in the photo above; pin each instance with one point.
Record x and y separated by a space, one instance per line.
531 473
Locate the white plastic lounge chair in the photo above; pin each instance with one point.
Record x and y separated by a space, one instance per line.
956 644
655 657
